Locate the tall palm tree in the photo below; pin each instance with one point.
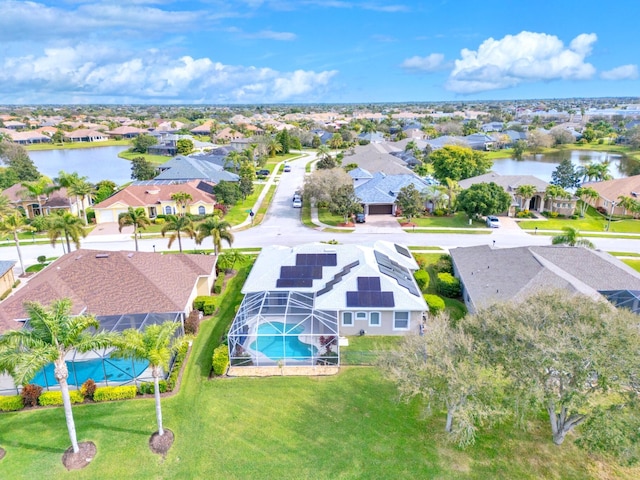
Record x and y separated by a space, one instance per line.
174 223
154 345
182 200
274 147
218 230
52 332
586 194
525 192
571 237
38 190
68 225
323 152
452 189
6 209
12 225
136 217
84 190
627 203
554 192
434 194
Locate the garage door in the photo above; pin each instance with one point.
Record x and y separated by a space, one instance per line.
106 216
380 209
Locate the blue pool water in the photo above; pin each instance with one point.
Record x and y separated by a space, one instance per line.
272 343
114 370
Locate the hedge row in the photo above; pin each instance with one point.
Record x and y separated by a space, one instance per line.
11 404
150 387
422 279
220 360
218 283
104 394
436 303
205 303
448 285
181 354
55 398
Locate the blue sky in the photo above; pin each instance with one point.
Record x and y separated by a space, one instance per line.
309 51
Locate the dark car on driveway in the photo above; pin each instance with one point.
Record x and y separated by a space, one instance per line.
360 218
263 173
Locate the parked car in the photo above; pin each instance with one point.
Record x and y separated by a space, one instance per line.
360 218
493 222
297 202
287 168
263 173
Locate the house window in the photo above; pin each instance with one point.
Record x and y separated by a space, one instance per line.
361 315
374 319
347 319
401 320
167 210
201 210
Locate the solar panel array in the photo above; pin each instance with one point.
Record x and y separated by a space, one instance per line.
337 278
396 271
369 294
402 251
308 268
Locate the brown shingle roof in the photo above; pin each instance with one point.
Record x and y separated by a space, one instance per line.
146 195
612 189
112 283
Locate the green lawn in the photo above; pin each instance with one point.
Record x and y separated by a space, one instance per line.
459 220
346 426
328 218
238 213
635 264
76 145
128 155
591 222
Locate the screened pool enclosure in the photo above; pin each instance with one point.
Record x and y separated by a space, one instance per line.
281 328
97 364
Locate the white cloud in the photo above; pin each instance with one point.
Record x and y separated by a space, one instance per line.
63 73
430 63
271 35
525 57
624 72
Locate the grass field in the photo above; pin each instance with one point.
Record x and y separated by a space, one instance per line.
347 426
158 159
76 145
459 220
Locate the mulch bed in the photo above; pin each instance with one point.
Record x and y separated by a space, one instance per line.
161 444
76 461
348 224
3 452
408 224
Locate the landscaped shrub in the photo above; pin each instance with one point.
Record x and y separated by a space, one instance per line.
88 388
181 354
205 303
150 387
436 303
104 394
220 360
438 212
422 279
159 221
30 394
11 404
444 264
448 285
217 285
55 398
192 323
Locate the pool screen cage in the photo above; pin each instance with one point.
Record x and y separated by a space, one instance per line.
629 299
98 364
281 328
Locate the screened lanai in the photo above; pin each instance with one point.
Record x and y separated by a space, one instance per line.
97 364
629 299
282 328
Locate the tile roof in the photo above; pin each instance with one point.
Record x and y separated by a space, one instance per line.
508 182
612 189
384 188
112 283
147 195
375 158
190 168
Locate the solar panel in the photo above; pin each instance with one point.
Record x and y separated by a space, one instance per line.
370 299
369 284
300 271
321 259
402 251
396 271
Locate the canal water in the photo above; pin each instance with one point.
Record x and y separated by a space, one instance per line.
543 165
100 163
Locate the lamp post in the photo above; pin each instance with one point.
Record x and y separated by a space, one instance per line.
613 205
154 249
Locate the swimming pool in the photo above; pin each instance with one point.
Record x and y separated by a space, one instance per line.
117 370
279 340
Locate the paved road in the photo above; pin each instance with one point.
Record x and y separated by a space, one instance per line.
282 226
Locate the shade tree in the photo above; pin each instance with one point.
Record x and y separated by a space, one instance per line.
410 201
483 199
458 163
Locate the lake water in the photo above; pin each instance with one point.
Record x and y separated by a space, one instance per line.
100 163
542 166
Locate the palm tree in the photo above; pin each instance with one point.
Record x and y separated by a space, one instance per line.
136 217
274 147
218 230
12 225
435 195
571 237
6 208
154 344
627 203
230 258
452 189
84 190
37 190
182 200
554 192
178 224
68 225
52 332
586 194
525 192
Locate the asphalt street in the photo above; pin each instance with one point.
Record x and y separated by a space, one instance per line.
282 226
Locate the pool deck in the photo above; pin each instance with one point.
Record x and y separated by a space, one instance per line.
307 371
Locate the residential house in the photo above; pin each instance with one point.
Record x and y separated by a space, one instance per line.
14 125
155 197
372 137
488 276
377 158
7 280
479 141
57 200
204 129
183 168
378 195
492 127
359 176
28 137
300 299
610 192
226 135
86 135
126 132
